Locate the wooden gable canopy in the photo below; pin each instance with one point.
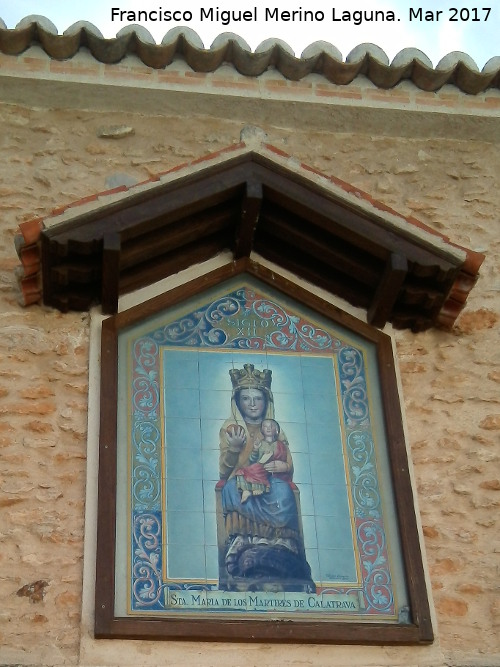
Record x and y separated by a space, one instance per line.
257 202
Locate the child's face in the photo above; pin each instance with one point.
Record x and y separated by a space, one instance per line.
269 428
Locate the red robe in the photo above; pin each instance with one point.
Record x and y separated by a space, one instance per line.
255 473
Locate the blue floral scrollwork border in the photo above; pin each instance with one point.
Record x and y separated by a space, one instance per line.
214 326
364 483
377 584
208 327
147 585
146 433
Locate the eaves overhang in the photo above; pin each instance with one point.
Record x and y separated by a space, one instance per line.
252 199
322 58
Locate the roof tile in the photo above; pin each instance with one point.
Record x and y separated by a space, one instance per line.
457 69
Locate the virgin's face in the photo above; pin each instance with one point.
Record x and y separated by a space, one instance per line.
252 404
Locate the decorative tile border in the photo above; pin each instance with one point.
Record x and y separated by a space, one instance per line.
212 327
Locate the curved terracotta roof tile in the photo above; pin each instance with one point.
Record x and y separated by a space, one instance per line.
322 58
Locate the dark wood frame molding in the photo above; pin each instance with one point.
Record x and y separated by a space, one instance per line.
107 625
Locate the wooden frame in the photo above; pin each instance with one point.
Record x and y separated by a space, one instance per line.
413 625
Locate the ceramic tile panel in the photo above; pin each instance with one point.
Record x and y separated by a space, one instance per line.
316 512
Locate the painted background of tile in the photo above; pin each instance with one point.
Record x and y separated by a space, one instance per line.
301 386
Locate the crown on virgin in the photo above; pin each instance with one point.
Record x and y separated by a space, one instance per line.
249 377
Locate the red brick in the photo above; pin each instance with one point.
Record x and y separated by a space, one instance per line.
194 75
167 77
31 230
490 103
239 85
425 100
341 94
388 96
35 64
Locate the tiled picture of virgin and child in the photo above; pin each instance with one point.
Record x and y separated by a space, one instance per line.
254 480
259 501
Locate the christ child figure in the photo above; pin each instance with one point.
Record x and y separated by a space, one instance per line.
253 479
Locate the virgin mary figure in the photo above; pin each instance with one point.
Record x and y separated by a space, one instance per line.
264 546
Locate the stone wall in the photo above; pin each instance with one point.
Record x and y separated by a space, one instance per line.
451 383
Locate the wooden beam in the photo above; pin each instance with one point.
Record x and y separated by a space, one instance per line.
146 211
111 249
166 265
314 271
388 290
320 246
175 237
250 211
